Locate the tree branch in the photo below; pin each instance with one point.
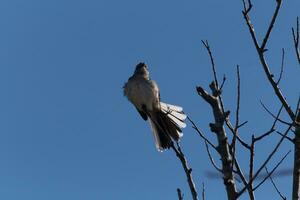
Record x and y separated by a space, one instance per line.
296 40
261 50
282 66
180 195
270 113
265 162
201 134
223 146
276 188
237 112
203 192
211 158
296 171
187 169
265 40
273 170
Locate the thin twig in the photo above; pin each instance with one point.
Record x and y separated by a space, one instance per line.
206 44
251 163
264 135
274 116
215 89
282 66
296 167
269 174
187 169
242 124
286 137
272 129
247 8
298 106
265 40
265 162
296 40
203 192
242 176
273 183
180 195
194 126
211 159
261 49
223 82
237 112
230 127
238 98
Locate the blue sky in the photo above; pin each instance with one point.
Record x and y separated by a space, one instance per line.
66 130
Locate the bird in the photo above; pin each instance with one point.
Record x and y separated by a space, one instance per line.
166 120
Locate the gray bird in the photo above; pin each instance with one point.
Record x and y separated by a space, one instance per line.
166 120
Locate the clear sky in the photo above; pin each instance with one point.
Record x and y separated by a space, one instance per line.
67 132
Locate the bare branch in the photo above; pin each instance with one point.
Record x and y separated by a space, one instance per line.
276 188
240 172
264 135
261 50
265 40
273 170
203 192
233 142
249 24
241 175
242 124
243 143
282 65
251 164
237 112
206 44
201 134
265 162
270 113
211 158
223 82
286 137
223 147
248 7
296 40
272 129
216 90
180 195
296 171
187 170
298 106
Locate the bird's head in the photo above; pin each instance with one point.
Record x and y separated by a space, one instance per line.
142 70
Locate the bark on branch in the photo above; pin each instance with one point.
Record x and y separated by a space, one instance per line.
223 145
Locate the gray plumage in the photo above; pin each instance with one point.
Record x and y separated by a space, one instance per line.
165 120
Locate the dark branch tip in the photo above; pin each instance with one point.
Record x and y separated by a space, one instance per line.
199 90
226 114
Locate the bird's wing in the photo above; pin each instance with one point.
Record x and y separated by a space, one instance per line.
143 114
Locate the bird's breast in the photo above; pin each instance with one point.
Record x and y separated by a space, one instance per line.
142 93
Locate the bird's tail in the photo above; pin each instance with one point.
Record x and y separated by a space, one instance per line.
166 124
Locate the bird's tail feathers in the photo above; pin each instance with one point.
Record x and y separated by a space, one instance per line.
175 113
162 141
166 125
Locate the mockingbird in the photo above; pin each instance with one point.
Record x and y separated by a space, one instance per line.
165 120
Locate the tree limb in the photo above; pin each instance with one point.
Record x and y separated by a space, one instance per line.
296 40
276 188
180 195
187 169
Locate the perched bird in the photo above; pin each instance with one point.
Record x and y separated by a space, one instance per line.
166 120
